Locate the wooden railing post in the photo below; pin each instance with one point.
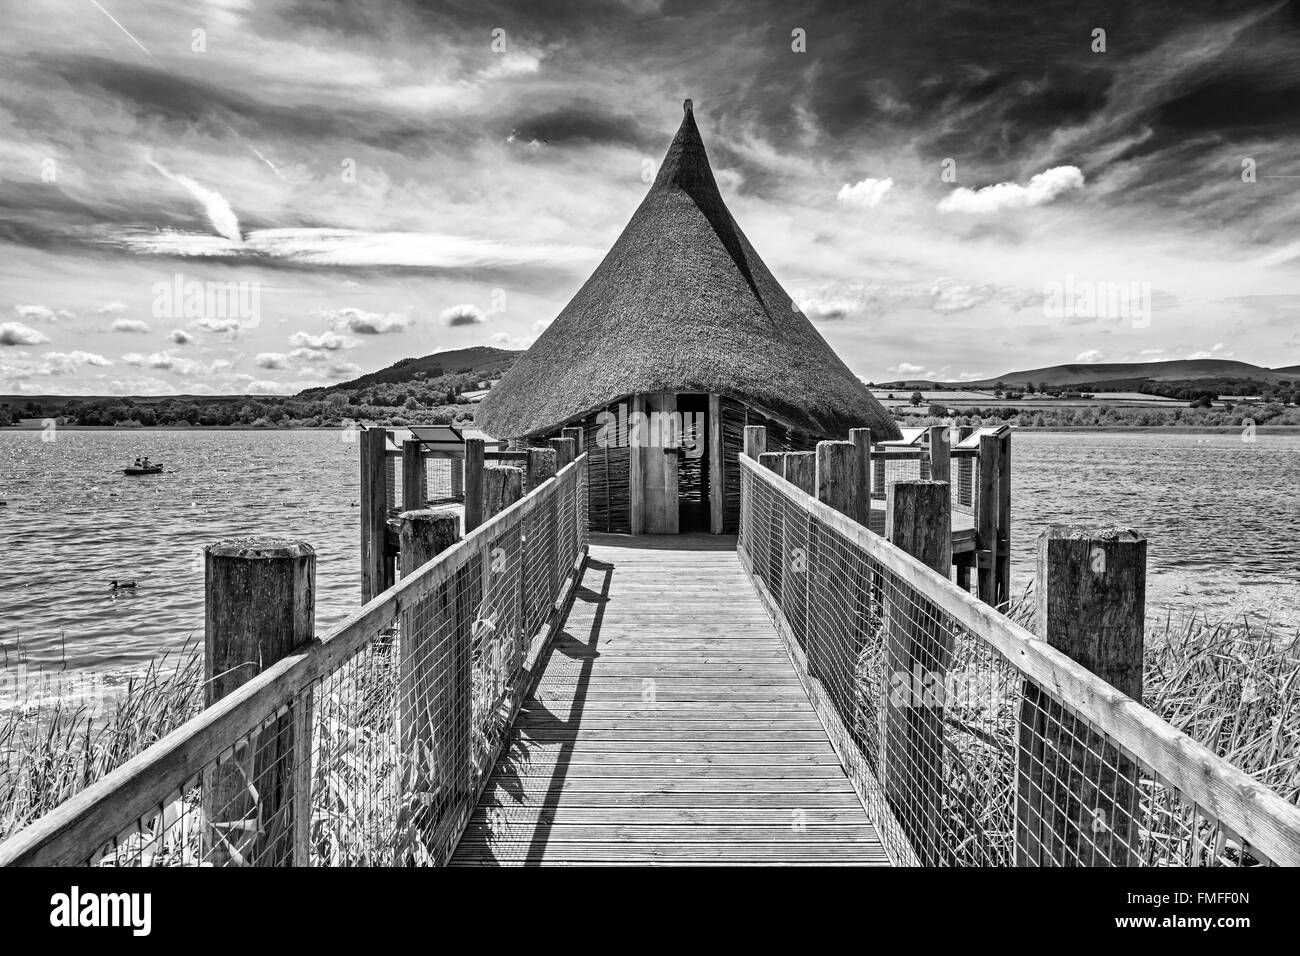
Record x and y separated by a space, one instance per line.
1002 571
503 485
473 483
918 520
435 682
566 449
800 469
542 466
988 481
376 563
414 495
774 546
834 635
1076 796
574 433
861 439
259 607
755 441
940 449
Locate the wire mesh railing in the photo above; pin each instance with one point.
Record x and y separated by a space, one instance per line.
970 742
367 747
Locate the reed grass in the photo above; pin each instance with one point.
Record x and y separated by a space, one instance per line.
1232 686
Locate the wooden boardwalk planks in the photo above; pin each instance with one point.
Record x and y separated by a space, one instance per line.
668 727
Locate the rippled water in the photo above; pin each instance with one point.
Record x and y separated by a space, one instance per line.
1221 517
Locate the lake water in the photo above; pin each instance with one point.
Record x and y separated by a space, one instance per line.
1220 514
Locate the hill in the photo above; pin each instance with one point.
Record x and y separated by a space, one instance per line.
481 361
1126 372
1126 376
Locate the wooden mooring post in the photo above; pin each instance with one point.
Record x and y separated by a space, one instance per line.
1076 795
378 568
259 607
918 520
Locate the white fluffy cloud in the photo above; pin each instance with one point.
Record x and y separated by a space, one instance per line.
181 337
326 341
271 360
130 325
366 323
1042 189
15 333
1092 355
66 363
867 194
42 313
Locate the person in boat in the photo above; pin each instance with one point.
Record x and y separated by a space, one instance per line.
137 463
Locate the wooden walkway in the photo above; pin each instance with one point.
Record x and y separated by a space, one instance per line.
668 726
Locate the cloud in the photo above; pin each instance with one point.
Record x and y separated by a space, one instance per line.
462 315
216 325
366 323
271 360
67 363
867 194
42 313
130 325
1042 189
15 333
181 337
215 207
1092 355
111 308
327 341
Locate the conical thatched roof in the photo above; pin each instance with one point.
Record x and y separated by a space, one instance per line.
682 302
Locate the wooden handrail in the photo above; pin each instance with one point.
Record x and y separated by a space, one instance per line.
68 833
1241 803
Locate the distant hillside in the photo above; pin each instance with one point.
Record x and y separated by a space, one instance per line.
1119 376
1102 372
481 361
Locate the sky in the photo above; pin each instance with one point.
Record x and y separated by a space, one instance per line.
224 196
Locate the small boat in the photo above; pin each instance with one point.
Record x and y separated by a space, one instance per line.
151 469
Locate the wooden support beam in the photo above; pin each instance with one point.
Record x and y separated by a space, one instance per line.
435 678
755 441
259 607
413 475
376 564
918 651
717 466
473 483
1076 795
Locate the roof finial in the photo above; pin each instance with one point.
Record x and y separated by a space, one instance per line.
686 107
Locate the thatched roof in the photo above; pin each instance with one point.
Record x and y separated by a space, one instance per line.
682 302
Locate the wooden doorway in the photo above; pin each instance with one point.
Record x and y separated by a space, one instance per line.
693 464
660 448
